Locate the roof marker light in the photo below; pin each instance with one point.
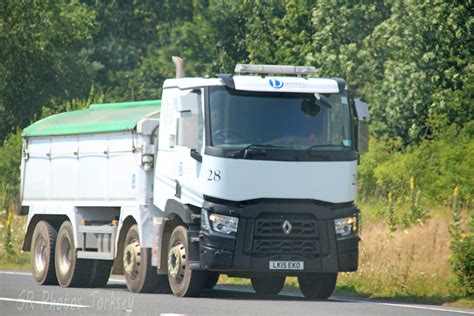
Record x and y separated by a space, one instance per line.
274 69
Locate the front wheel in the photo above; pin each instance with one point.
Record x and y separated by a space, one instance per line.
268 285
183 281
140 275
317 285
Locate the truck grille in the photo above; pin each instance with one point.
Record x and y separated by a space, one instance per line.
282 246
269 237
273 228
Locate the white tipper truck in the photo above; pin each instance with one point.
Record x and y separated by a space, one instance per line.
251 175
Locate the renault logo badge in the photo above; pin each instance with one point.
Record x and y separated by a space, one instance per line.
286 227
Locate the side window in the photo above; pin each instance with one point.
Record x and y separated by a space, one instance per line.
190 124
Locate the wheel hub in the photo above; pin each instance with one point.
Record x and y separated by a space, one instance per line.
132 258
177 261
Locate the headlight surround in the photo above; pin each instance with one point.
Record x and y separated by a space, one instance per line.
345 226
222 224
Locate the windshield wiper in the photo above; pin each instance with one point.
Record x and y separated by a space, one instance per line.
249 149
309 150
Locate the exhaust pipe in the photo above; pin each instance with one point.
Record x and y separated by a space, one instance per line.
179 63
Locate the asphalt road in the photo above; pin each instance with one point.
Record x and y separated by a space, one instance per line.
19 295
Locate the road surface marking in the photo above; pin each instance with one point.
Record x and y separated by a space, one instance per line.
335 298
405 306
41 302
29 274
15 273
221 287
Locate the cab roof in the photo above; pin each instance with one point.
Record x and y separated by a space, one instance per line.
262 83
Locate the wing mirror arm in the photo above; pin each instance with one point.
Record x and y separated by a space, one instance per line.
196 155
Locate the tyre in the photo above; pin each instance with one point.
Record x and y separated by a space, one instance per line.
70 271
183 281
140 275
268 285
100 273
317 285
211 280
42 254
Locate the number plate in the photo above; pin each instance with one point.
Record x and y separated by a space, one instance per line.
286 265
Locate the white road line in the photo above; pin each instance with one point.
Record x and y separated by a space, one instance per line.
15 273
221 287
114 280
405 305
336 298
41 302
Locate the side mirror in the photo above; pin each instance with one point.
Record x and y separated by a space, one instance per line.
362 111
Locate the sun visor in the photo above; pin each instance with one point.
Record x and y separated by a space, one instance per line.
285 84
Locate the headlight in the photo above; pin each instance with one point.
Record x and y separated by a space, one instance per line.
345 226
223 224
219 223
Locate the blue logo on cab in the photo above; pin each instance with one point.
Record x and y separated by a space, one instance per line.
275 83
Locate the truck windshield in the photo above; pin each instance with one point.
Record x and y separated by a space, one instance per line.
279 120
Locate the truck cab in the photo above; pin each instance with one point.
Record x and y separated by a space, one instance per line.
263 170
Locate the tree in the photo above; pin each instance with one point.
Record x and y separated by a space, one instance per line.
43 57
211 42
423 56
128 31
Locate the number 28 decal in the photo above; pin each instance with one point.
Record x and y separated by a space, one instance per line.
214 175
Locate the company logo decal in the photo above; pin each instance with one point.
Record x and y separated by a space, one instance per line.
275 83
286 227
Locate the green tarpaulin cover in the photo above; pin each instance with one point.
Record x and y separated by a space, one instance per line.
98 118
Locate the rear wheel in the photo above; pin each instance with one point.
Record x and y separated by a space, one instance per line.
183 281
140 275
42 253
268 285
317 285
70 271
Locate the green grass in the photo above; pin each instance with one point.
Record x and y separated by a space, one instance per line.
13 257
467 302
17 264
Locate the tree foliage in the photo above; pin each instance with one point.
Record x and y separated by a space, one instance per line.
44 57
410 59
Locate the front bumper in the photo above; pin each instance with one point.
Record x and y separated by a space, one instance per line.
260 239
